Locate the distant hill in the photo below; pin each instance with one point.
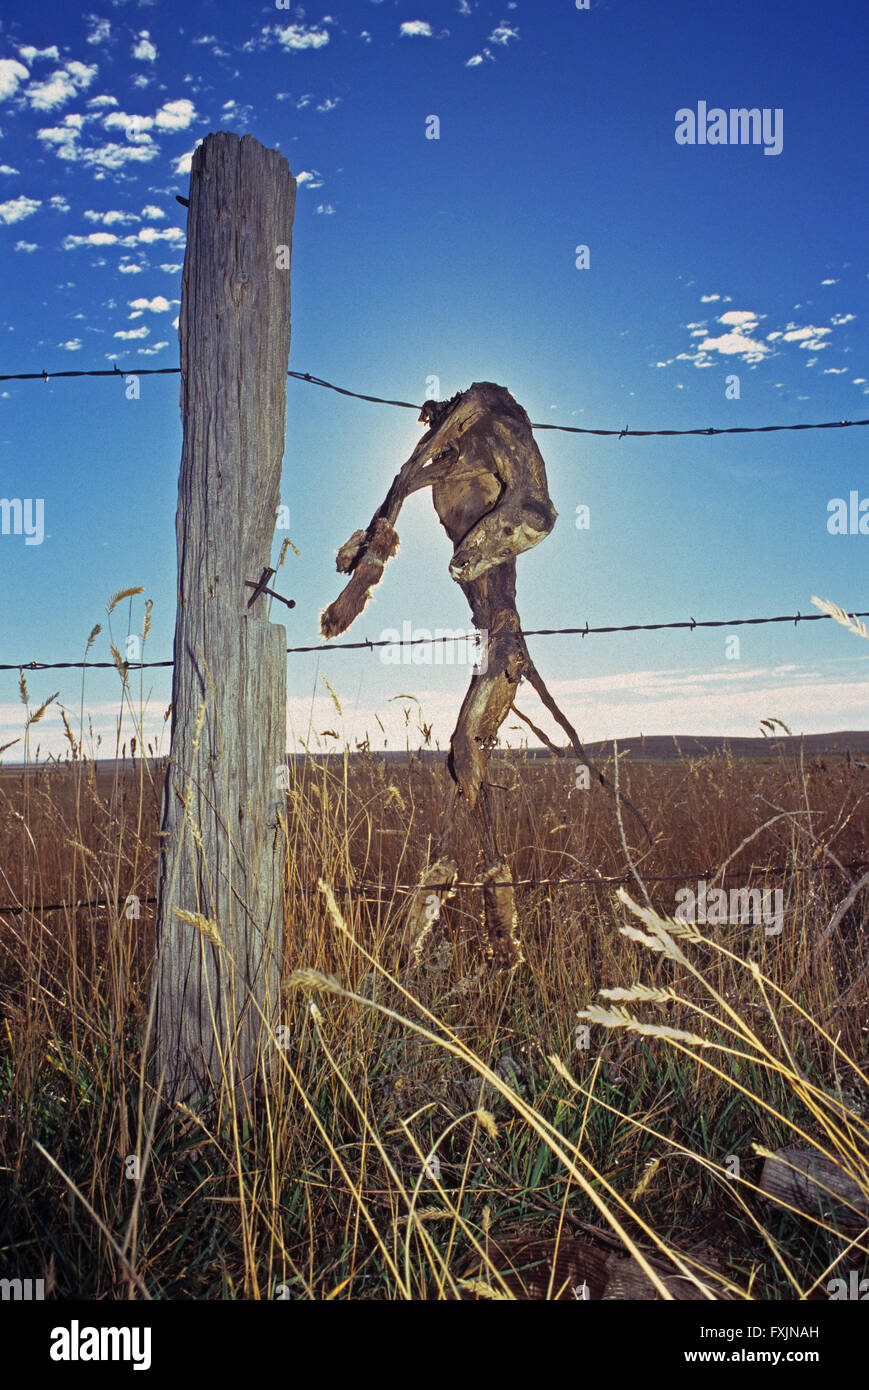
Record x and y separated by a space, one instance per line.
672 747
664 748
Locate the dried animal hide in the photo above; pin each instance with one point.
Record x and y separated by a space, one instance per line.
489 489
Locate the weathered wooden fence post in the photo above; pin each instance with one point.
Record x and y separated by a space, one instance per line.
220 893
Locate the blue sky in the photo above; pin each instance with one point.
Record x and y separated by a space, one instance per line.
456 258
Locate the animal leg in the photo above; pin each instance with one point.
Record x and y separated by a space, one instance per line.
499 919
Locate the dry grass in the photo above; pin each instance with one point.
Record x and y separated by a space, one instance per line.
710 1043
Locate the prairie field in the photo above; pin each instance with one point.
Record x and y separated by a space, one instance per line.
432 1128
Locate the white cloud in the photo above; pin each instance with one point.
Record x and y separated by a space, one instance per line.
838 319
111 218
475 61
150 351
61 86
309 178
157 305
129 268
30 54
143 49
736 344
101 158
58 203
148 235
183 162
7 169
808 337
175 115
740 317
296 37
71 345
329 104
834 371
64 137
12 74
503 34
415 28
111 157
16 209
709 298
325 208
100 29
131 333
137 126
829 282
237 112
154 213
26 246
171 269
102 101
70 243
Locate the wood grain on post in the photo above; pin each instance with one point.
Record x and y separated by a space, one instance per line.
220 893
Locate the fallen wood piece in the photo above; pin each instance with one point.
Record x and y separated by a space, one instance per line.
536 1270
813 1184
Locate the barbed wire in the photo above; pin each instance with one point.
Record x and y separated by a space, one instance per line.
366 643
410 405
362 887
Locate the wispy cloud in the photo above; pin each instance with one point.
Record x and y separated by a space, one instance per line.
297 37
61 86
31 55
100 29
146 237
143 49
12 74
111 218
16 209
808 337
172 115
157 305
740 339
